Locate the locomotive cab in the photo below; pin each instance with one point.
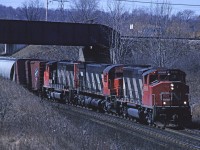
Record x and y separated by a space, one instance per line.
166 92
165 88
113 81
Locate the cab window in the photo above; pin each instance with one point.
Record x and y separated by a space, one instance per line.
163 77
153 78
145 79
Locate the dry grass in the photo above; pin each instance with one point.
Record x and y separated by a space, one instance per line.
194 84
48 52
28 123
196 113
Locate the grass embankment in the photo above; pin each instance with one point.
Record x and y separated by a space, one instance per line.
28 123
194 84
48 52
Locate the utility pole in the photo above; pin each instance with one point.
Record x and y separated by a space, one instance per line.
47 5
62 2
62 7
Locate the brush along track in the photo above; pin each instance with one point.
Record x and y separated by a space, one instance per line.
155 135
194 131
187 137
190 134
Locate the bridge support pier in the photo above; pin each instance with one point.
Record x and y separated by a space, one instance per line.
95 54
12 48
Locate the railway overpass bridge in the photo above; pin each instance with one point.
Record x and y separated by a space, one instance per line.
95 38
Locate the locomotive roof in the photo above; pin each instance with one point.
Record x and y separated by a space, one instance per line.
163 71
50 62
149 71
107 69
7 58
137 69
97 65
66 62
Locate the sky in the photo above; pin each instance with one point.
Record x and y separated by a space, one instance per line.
128 5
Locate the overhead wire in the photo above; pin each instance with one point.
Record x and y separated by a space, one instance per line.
160 3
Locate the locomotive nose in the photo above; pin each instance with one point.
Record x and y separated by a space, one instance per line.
175 118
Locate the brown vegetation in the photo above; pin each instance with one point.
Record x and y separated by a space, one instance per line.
196 113
194 84
48 52
28 123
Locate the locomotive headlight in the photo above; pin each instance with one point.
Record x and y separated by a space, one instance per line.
184 102
172 86
164 103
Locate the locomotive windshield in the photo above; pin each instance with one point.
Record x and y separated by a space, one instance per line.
172 77
167 77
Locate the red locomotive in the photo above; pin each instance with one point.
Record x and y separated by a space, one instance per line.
150 95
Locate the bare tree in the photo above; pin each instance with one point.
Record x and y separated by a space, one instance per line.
162 52
83 11
32 10
183 21
116 21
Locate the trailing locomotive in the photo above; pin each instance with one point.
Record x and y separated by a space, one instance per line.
150 95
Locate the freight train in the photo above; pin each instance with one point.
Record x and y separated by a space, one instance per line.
149 95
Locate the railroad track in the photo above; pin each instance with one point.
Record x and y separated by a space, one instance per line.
175 138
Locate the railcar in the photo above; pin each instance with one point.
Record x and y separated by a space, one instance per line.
7 68
20 71
37 68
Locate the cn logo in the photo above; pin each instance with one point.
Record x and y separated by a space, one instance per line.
36 77
36 72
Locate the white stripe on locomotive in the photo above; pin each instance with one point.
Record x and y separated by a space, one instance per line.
98 82
68 78
140 80
129 87
63 77
87 80
93 81
101 79
72 78
135 88
58 76
124 87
